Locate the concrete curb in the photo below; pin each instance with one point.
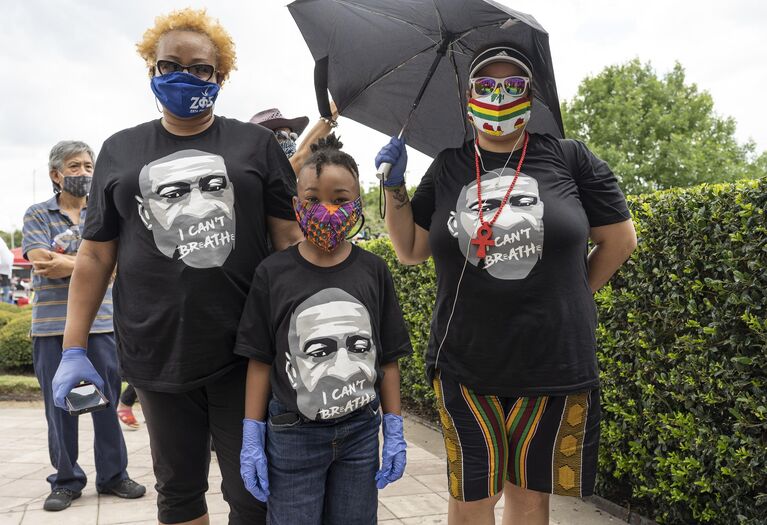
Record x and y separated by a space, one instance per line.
618 511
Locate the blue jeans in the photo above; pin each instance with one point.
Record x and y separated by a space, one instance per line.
323 473
109 446
5 295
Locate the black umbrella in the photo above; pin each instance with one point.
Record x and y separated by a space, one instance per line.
397 65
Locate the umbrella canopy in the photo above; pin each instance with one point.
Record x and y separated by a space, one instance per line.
382 56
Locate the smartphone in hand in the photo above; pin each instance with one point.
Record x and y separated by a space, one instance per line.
85 397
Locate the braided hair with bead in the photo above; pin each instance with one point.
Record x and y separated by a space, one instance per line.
328 151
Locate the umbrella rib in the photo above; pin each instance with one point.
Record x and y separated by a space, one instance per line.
472 29
457 41
386 74
439 17
457 83
421 29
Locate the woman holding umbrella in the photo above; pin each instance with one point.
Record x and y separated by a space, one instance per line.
511 355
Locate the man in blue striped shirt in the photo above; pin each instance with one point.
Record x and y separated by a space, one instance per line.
51 240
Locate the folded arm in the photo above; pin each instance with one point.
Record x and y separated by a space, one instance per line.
51 265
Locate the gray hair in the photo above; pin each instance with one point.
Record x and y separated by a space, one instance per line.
66 149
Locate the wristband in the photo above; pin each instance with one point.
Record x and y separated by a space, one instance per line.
329 121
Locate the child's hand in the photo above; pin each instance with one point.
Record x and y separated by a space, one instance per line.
253 468
394 456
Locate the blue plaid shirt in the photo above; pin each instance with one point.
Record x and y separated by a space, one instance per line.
47 227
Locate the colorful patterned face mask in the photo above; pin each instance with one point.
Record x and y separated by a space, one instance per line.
499 113
326 226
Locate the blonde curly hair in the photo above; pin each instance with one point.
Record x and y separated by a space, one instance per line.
196 20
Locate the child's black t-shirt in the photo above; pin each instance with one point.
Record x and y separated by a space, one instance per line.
326 331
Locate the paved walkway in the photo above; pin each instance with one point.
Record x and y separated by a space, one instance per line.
419 498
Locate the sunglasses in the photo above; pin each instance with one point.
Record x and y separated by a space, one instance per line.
514 86
201 71
284 135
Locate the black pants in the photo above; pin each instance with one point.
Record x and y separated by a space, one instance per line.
180 427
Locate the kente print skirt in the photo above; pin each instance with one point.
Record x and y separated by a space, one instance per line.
545 443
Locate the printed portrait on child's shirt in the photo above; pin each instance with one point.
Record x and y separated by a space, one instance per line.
332 359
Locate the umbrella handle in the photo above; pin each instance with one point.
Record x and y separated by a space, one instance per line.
321 87
383 171
385 167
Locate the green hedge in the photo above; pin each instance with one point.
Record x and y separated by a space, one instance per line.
682 339
682 350
416 289
6 317
10 308
15 343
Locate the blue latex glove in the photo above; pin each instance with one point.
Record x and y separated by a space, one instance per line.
394 456
253 467
74 368
395 154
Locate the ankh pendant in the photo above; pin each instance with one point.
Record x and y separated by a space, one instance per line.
483 239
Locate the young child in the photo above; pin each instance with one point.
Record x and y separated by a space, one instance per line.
323 328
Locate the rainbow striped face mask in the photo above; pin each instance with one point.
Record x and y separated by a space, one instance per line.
326 226
494 110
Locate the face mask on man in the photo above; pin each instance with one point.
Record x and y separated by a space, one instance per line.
289 147
327 226
78 186
287 142
183 94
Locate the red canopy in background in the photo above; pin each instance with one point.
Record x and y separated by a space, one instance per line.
18 258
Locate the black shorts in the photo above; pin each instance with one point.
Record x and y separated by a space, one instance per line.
180 429
545 443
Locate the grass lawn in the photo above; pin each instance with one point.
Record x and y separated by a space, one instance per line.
19 387
23 388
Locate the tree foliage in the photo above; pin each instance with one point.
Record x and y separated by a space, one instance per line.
657 133
374 224
6 236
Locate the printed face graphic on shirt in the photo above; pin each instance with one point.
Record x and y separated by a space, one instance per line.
187 201
518 231
332 358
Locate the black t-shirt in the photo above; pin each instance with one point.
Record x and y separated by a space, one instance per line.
325 331
190 214
525 317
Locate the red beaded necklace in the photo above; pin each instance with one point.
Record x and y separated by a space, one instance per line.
485 231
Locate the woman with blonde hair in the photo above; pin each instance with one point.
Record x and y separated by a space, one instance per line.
184 204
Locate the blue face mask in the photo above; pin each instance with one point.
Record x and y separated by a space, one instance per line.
183 94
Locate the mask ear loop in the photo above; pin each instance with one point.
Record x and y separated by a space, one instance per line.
361 225
157 105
